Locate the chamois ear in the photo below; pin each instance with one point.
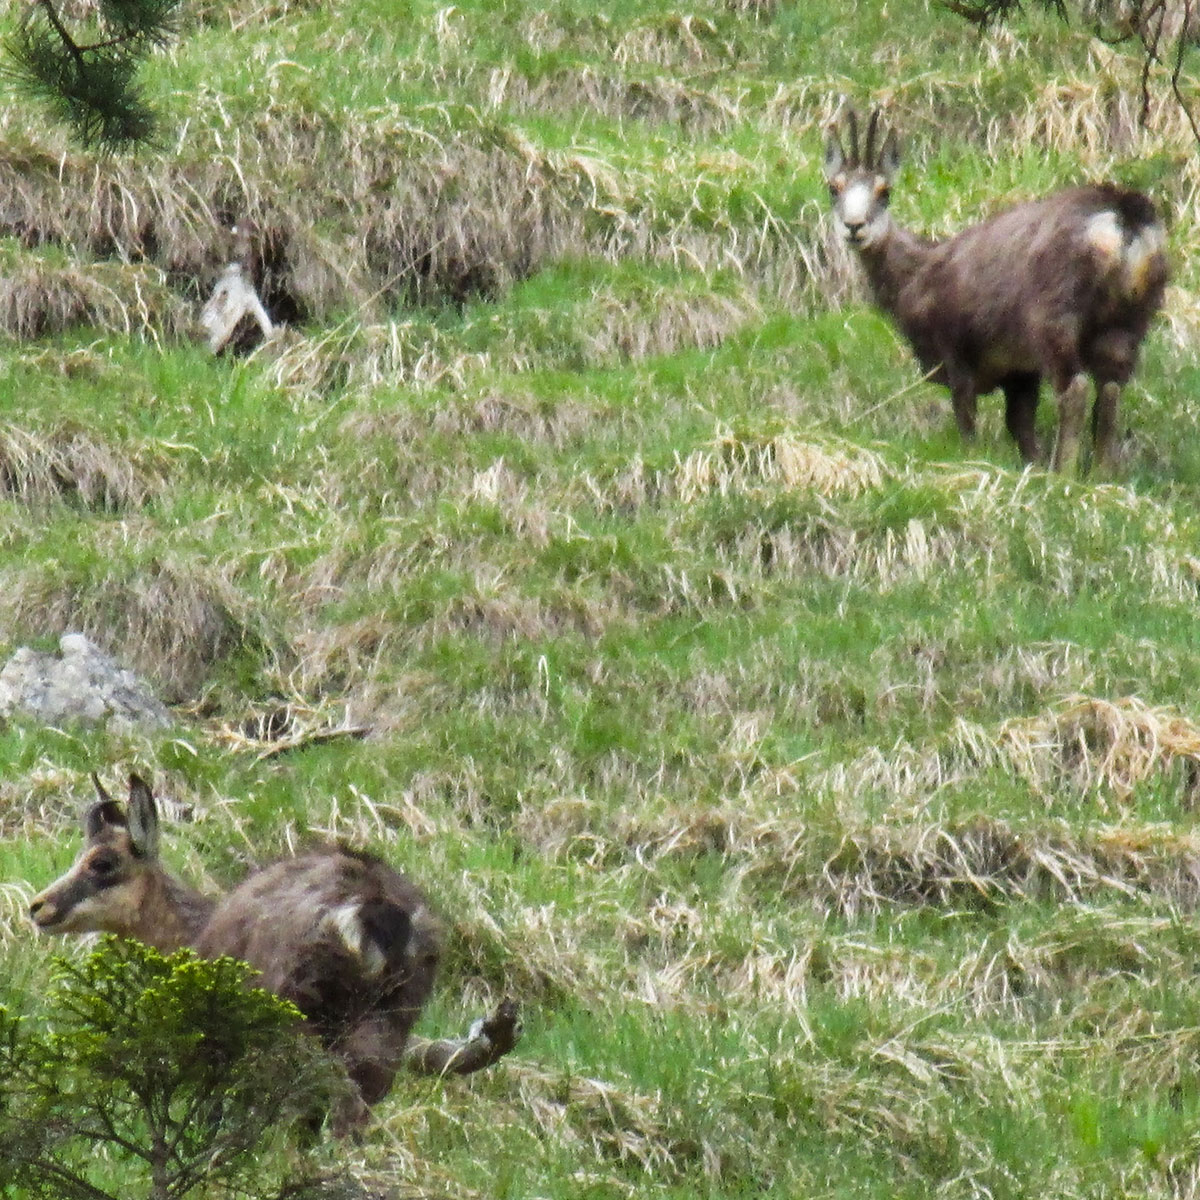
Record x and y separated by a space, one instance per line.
835 158
143 819
889 156
101 816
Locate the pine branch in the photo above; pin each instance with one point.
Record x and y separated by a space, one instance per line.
1164 36
89 85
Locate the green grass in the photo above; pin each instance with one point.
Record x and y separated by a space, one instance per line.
822 787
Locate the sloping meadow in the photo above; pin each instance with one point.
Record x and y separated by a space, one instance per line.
825 790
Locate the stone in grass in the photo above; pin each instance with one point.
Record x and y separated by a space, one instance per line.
83 685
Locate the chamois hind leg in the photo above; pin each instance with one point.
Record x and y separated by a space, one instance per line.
1072 409
487 1041
1020 411
1110 357
1104 425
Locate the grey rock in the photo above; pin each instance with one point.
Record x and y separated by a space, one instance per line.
83 684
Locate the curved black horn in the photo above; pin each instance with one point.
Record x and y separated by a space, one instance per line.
872 127
852 122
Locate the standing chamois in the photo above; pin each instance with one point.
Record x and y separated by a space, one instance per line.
337 932
1063 287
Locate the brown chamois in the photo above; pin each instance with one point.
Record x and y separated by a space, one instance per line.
349 941
1064 287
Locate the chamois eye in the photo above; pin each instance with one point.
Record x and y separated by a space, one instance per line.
103 866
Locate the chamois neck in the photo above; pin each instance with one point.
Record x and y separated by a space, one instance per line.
890 262
171 914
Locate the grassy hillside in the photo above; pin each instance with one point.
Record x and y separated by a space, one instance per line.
825 790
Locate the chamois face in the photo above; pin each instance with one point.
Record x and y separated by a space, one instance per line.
860 186
104 891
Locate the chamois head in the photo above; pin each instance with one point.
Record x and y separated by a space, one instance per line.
103 884
117 885
860 183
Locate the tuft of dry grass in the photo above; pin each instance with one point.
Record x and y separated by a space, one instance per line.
1099 116
170 621
980 862
613 1121
73 463
39 296
605 326
828 467
1086 746
655 99
1106 747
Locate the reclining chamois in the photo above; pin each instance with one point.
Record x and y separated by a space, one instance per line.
1064 287
348 940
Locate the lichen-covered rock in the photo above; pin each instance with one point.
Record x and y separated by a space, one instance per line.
83 685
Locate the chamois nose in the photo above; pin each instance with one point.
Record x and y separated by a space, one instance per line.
36 906
854 230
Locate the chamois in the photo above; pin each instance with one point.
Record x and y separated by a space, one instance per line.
1062 287
351 942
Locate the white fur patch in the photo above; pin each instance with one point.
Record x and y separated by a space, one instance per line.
1104 233
1139 254
855 204
346 922
1135 256
862 213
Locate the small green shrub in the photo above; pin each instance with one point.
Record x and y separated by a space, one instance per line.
168 1069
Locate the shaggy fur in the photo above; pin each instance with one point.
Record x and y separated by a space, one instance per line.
349 941
1063 288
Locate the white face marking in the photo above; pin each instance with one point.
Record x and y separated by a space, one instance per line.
81 917
861 209
855 206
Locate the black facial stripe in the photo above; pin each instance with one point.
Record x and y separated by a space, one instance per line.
73 892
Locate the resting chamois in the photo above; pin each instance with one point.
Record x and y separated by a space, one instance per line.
349 941
1063 287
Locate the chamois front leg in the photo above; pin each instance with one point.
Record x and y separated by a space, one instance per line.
488 1040
1072 410
964 398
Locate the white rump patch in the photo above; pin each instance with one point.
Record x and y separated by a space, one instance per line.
1104 233
1133 255
1141 250
346 922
